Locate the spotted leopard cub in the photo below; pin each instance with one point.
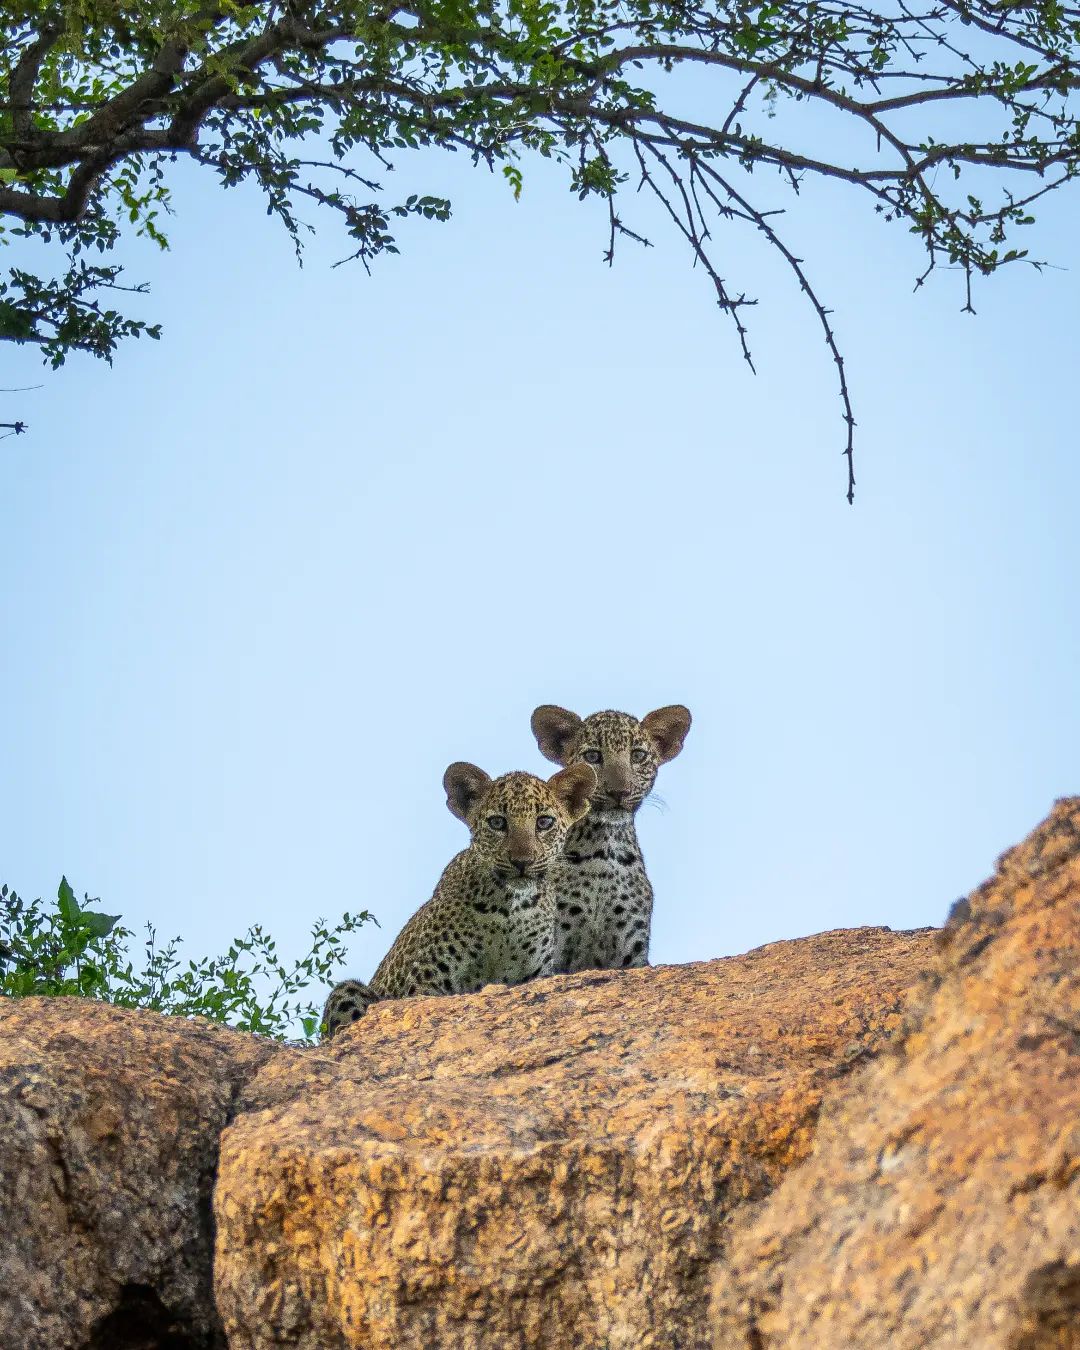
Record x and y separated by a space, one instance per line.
492 917
603 896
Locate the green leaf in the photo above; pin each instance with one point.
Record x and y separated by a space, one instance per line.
66 902
99 925
512 174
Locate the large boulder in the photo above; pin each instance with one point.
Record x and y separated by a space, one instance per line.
109 1130
941 1204
553 1165
856 1141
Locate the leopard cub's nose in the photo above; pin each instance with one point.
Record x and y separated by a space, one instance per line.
522 865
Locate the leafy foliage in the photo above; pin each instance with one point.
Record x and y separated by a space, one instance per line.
73 949
64 315
955 116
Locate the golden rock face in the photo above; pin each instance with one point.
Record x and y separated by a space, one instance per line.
553 1165
941 1206
109 1128
862 1140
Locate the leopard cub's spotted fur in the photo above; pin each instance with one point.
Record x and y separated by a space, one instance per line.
603 895
492 917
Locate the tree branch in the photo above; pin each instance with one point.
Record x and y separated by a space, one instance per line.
25 77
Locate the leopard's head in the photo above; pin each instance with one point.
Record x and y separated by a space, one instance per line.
624 752
519 823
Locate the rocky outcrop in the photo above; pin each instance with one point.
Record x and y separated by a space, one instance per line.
941 1205
552 1165
862 1140
109 1129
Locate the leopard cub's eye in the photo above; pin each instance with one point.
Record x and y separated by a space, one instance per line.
544 822
592 757
496 822
638 756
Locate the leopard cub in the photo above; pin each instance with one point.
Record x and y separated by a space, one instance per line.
491 919
603 894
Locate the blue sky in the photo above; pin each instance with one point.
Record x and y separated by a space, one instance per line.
265 579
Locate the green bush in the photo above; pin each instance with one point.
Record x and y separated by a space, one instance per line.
74 949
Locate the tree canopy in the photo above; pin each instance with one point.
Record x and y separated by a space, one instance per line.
953 117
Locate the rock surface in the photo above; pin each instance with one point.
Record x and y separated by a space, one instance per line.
109 1130
941 1206
552 1165
862 1140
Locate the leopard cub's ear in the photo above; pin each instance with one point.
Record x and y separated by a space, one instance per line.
554 729
465 784
573 787
667 728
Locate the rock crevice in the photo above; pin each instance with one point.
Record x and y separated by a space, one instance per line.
110 1124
